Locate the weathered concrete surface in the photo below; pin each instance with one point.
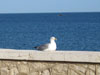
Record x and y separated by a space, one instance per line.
69 56
28 62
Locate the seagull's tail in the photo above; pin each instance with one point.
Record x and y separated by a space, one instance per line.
35 47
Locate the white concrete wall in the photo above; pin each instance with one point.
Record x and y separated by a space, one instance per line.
68 56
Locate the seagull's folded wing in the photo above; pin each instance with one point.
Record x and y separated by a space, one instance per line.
43 47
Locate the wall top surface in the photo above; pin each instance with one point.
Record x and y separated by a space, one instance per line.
67 56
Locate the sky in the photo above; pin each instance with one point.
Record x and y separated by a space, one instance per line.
44 6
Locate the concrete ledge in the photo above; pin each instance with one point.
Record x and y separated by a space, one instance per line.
67 56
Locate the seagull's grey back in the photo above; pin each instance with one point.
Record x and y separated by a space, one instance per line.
43 47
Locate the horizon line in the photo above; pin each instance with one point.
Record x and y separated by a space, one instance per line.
48 12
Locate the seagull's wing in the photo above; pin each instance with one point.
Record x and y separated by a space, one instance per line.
42 47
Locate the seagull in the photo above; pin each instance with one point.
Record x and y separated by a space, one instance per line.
49 46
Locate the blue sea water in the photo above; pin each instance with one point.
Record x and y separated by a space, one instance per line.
74 31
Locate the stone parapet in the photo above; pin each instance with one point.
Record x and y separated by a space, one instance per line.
31 62
68 56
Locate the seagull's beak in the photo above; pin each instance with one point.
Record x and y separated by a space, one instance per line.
55 38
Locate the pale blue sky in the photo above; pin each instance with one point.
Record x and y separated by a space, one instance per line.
34 6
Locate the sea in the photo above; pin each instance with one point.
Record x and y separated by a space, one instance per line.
74 31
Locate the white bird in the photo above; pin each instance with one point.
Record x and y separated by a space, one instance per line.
49 46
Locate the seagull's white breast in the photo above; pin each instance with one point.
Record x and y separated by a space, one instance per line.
52 46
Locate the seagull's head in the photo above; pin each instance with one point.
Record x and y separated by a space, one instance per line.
53 38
